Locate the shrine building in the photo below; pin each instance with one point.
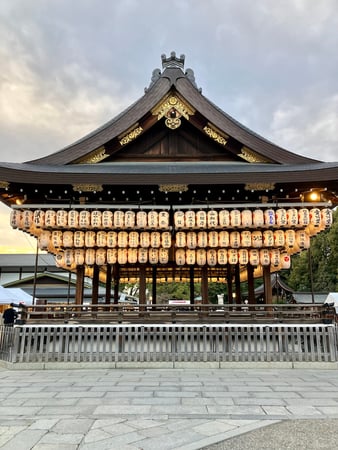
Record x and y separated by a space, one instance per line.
172 188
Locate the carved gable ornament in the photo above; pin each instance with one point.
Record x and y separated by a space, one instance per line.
173 108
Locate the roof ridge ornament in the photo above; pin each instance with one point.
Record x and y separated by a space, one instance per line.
172 61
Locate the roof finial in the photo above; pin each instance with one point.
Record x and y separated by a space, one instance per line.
173 61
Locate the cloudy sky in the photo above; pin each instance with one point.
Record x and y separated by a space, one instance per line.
70 66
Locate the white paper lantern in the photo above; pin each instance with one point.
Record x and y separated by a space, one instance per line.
153 219
67 239
254 257
191 239
326 217
235 239
235 218
223 239
258 217
256 239
122 256
166 239
201 219
222 256
119 219
141 219
79 238
122 239
133 239
268 238
275 257
163 255
224 218
246 218
285 261
212 257
50 218
132 255
190 219
181 239
179 219
111 255
232 256
269 218
15 218
129 219
111 239
56 238
264 257
155 239
79 256
101 239
303 217
142 255
68 257
107 219
246 238
84 219
315 217
243 256
96 219
73 218
27 219
292 215
145 239
213 239
302 239
212 218
281 217
90 238
290 238
201 257
153 256
39 218
44 240
90 257
279 238
61 218
202 239
190 257
59 260
180 257
163 220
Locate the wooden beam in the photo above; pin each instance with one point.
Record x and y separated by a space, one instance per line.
79 285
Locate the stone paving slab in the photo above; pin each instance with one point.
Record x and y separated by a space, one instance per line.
170 409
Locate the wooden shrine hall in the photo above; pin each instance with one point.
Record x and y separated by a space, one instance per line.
172 188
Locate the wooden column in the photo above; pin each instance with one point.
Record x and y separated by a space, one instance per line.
267 285
238 284
251 285
192 285
116 280
108 283
95 286
229 282
204 284
79 285
153 293
142 283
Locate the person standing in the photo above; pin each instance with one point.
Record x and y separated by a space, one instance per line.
9 316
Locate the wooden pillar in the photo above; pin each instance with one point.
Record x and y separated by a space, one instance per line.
192 285
238 284
154 294
116 280
142 283
267 285
229 282
108 283
79 285
95 285
204 284
251 285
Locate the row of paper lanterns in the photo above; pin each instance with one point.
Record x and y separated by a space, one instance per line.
85 219
200 257
48 240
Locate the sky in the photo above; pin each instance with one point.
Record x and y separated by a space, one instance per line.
70 66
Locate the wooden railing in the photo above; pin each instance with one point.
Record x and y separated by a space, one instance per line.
206 313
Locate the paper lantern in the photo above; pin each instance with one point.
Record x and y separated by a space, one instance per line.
222 256
96 219
190 257
246 218
212 257
179 219
303 217
285 261
235 218
84 219
279 238
79 238
122 239
153 255
315 217
142 255
202 239
191 239
190 219
224 218
133 239
258 218
326 217
180 257
166 239
302 239
281 217
59 260
201 219
145 239
118 219
212 218
235 239
275 257
163 220
232 256
290 238
223 239
111 255
44 240
50 218
73 218
111 239
67 239
56 239
132 255
269 217
90 238
256 239
107 219
213 239
129 219
201 257
68 257
163 256
141 219
268 238
39 218
264 257
101 239
153 219
246 238
292 215
254 257
243 256
181 239
61 218
79 256
27 219
122 256
90 257
15 218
